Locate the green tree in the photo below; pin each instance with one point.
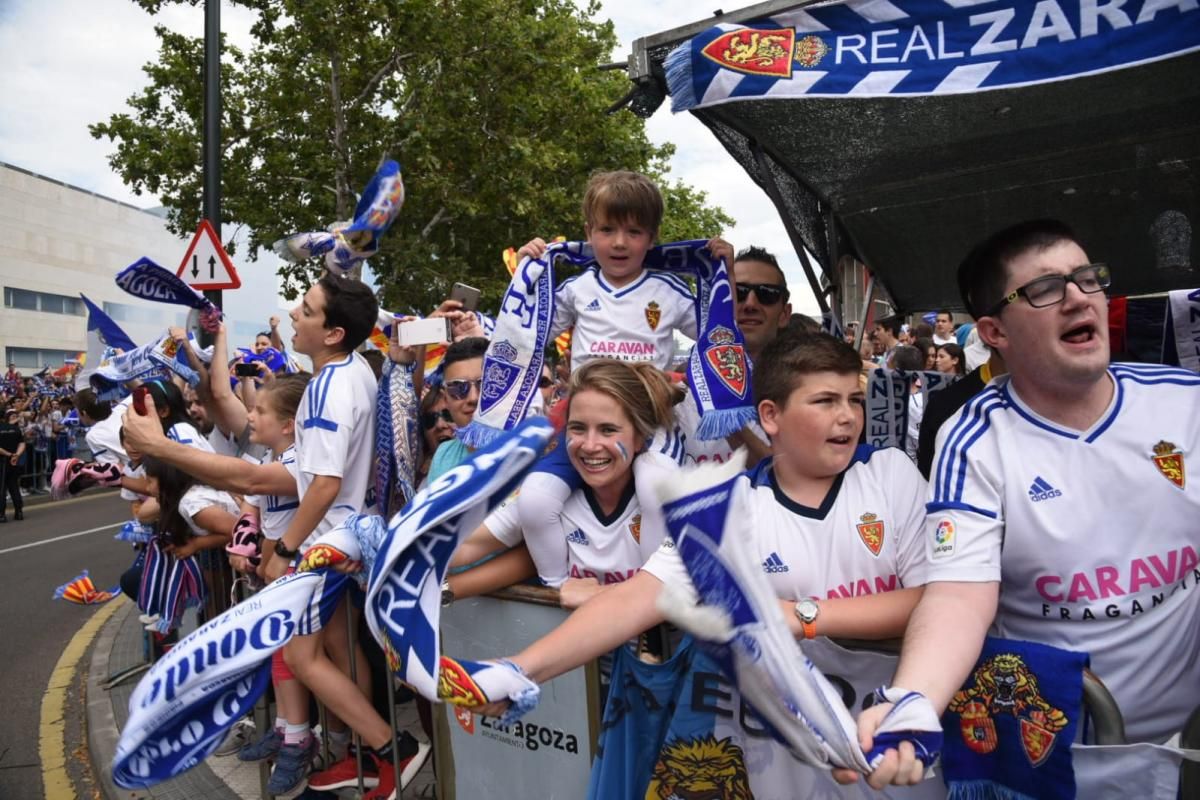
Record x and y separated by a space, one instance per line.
495 110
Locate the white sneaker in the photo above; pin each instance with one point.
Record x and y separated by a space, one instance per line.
241 732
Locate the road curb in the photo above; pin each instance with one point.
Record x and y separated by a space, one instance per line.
102 733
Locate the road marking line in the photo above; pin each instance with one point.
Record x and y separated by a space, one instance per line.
52 745
60 538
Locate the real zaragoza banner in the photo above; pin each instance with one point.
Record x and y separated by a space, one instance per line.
924 47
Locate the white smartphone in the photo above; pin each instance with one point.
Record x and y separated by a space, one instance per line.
434 330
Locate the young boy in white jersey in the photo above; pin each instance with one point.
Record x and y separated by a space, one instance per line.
1063 482
618 309
836 528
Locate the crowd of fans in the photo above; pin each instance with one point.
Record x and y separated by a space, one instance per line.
260 465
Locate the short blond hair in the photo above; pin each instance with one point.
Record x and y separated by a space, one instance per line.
621 196
641 389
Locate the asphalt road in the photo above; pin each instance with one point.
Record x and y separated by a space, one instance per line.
34 629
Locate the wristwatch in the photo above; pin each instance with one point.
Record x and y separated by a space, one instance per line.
447 594
806 611
281 549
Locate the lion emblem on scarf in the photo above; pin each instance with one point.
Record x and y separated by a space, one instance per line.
703 768
1004 685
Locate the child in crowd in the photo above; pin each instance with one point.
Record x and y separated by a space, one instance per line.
618 309
273 426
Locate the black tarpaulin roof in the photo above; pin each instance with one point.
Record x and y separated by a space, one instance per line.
913 182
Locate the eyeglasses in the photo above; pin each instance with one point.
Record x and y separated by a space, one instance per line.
545 383
429 419
1052 289
767 294
461 389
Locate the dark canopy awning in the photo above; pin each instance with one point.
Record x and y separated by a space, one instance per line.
913 182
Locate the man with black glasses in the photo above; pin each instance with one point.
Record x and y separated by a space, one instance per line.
761 311
1065 483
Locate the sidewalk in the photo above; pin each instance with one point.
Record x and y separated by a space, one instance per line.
119 646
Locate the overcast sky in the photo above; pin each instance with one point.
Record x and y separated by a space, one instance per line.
70 63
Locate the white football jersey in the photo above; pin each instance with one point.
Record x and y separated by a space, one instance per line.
1093 534
275 512
104 438
608 548
224 445
634 323
864 539
700 451
335 436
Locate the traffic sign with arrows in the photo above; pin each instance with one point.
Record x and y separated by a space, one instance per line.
206 264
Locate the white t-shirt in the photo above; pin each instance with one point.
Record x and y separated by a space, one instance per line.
200 497
634 323
941 340
864 539
186 433
275 512
1094 534
132 472
335 436
104 437
700 451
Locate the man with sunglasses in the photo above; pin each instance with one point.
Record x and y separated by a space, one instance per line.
761 310
1065 483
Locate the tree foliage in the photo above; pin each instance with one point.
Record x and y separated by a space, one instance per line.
495 109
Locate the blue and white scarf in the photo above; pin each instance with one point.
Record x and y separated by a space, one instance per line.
1182 333
404 599
887 407
147 280
920 47
182 708
740 624
348 245
398 438
153 360
718 368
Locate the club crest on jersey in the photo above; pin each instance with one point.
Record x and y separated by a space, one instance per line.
870 530
653 315
727 359
1004 685
1169 461
635 528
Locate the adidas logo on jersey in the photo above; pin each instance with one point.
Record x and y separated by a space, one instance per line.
1039 490
594 305
774 564
577 537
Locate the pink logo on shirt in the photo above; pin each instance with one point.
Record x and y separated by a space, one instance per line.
609 348
1107 581
862 586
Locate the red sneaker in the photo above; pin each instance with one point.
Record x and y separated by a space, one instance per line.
345 773
409 767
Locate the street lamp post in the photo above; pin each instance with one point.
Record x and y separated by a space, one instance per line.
212 128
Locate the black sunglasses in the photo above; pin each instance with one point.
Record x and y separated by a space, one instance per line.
1052 289
429 419
767 294
545 383
460 389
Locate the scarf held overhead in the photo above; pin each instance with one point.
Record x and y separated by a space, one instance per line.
718 367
